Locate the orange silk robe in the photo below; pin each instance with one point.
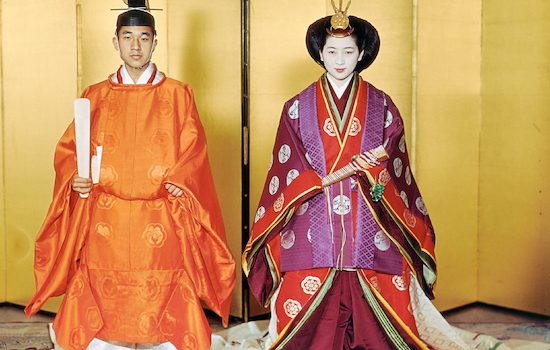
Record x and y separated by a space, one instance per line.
133 261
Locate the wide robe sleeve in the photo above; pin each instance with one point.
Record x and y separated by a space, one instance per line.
197 214
290 182
402 203
62 235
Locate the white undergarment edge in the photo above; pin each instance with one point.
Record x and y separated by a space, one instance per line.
126 79
97 344
432 327
339 90
273 334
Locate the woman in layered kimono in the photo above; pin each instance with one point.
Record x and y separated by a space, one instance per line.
342 248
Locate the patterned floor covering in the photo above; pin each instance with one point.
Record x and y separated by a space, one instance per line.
496 336
19 335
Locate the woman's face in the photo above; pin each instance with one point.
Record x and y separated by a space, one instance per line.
340 56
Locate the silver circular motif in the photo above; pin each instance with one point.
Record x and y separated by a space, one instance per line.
287 239
292 174
341 205
408 176
293 110
389 119
421 206
404 197
398 166
274 185
259 214
402 146
284 154
381 241
302 209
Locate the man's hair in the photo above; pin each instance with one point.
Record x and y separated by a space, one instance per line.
135 18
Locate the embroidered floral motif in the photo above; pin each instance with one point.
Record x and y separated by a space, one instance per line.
94 318
355 128
110 142
78 337
399 283
108 287
157 173
384 177
278 205
108 176
189 341
154 235
104 229
292 307
77 288
329 128
150 288
374 282
311 284
410 219
105 201
147 323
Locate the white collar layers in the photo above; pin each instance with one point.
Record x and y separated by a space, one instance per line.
339 90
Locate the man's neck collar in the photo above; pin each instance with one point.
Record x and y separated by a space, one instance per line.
143 79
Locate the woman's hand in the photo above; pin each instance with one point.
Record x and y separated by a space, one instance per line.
81 184
173 189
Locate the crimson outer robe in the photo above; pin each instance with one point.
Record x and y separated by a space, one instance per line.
133 261
400 213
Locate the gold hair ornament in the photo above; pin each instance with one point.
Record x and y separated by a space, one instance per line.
339 23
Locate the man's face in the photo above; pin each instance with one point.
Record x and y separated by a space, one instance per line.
340 56
135 44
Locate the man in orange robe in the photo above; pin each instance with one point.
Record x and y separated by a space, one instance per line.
136 258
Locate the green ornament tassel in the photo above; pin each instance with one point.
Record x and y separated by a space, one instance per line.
376 192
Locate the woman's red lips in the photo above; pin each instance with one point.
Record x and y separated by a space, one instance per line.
340 70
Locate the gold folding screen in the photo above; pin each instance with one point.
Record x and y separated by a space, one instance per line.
453 85
446 139
514 226
39 70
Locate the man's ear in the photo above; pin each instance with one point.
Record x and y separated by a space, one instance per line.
115 43
155 41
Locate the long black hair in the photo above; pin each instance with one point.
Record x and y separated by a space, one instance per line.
364 33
